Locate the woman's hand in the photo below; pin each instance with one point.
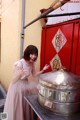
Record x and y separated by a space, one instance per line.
46 67
40 72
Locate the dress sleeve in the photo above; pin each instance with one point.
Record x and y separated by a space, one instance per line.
17 71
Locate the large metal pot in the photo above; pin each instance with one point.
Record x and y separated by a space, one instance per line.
59 92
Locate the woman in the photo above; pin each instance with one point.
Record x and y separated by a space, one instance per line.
15 106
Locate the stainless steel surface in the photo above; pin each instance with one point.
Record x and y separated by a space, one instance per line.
60 95
62 108
60 90
45 114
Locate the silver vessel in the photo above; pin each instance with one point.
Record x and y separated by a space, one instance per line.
59 92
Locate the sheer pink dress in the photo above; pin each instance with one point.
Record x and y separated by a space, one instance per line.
16 106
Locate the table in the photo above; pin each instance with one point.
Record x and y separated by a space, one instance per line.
44 114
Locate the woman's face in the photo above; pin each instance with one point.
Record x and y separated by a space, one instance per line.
33 58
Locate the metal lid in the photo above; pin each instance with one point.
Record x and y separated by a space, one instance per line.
60 79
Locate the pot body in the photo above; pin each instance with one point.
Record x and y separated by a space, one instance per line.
62 108
63 98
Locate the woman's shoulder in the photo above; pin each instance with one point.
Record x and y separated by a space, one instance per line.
18 63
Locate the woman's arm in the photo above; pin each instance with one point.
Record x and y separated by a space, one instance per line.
34 73
17 73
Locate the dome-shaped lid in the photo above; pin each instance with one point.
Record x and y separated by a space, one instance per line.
60 79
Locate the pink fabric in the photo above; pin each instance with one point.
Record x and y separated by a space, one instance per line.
15 105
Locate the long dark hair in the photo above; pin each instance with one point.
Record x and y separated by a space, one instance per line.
31 49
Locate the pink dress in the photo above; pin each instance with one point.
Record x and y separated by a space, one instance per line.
16 106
